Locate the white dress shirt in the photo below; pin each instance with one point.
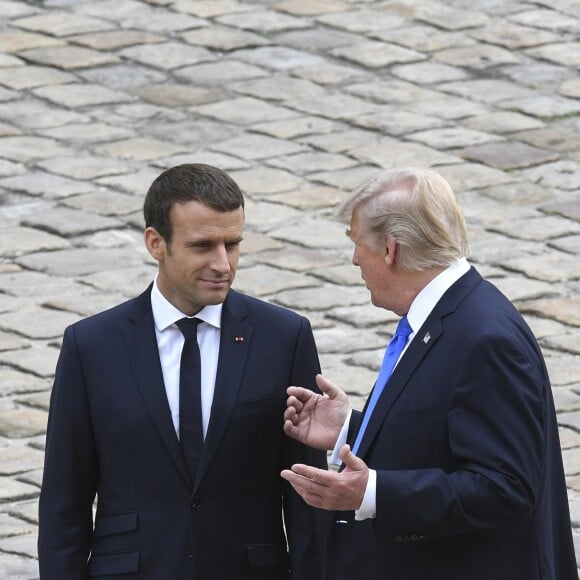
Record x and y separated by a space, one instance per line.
170 343
419 310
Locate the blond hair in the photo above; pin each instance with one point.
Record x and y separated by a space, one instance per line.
418 209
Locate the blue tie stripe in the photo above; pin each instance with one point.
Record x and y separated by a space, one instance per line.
392 354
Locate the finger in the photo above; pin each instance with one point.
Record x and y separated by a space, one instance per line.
286 474
289 428
350 460
294 403
313 475
304 488
291 414
300 483
327 387
298 395
305 485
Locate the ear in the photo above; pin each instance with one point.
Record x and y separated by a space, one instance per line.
390 250
154 243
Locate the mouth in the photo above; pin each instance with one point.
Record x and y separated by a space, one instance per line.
216 283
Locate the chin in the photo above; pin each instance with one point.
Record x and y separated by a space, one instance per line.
377 303
217 297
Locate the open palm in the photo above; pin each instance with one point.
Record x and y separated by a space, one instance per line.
314 419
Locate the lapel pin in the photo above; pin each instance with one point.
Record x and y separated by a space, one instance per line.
426 338
239 339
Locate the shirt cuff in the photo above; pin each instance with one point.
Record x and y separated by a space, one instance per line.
334 458
368 507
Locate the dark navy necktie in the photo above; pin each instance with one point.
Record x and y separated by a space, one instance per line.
392 354
190 417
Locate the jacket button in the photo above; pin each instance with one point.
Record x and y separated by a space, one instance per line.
195 505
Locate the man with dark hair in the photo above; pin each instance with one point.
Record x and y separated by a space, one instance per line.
169 409
453 471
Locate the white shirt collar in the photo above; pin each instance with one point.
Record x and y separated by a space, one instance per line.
427 299
165 314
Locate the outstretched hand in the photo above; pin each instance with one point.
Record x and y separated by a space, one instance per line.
314 419
330 490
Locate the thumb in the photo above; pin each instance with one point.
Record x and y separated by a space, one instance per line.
327 387
350 460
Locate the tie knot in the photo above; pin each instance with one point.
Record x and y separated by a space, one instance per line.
403 328
188 327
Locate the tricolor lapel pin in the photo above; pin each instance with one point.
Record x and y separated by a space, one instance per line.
426 338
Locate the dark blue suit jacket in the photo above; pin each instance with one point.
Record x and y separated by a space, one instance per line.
470 484
110 433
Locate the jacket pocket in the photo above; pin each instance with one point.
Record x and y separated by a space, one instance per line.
268 555
116 524
111 564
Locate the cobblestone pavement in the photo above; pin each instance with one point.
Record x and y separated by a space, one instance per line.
299 100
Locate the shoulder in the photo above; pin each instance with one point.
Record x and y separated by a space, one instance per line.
113 317
487 314
479 298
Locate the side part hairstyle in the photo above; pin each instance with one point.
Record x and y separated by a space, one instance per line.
418 209
189 182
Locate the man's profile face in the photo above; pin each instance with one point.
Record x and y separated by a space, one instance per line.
372 263
199 264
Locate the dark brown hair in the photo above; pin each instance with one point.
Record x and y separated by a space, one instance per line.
189 182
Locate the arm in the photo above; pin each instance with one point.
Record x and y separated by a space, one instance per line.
70 474
496 424
318 420
497 438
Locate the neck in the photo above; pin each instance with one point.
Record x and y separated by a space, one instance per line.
411 283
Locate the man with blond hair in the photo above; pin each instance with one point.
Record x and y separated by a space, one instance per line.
453 470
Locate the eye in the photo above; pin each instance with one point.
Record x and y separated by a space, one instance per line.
201 245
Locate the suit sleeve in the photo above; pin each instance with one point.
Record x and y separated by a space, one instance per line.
304 524
496 421
70 473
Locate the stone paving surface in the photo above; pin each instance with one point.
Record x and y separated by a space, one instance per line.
299 100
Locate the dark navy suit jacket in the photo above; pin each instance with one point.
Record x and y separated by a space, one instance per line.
110 433
470 484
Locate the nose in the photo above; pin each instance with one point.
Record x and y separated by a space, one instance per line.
221 263
354 257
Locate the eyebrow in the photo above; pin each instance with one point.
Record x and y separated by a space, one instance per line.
210 242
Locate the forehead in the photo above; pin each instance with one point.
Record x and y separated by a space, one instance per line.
196 218
201 214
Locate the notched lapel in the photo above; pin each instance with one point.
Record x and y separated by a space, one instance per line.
235 341
422 343
426 337
144 357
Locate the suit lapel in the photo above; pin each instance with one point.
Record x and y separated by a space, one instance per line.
425 338
235 341
144 357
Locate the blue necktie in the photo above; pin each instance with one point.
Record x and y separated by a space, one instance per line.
190 419
392 354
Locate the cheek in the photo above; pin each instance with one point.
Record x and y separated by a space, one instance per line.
233 260
371 267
